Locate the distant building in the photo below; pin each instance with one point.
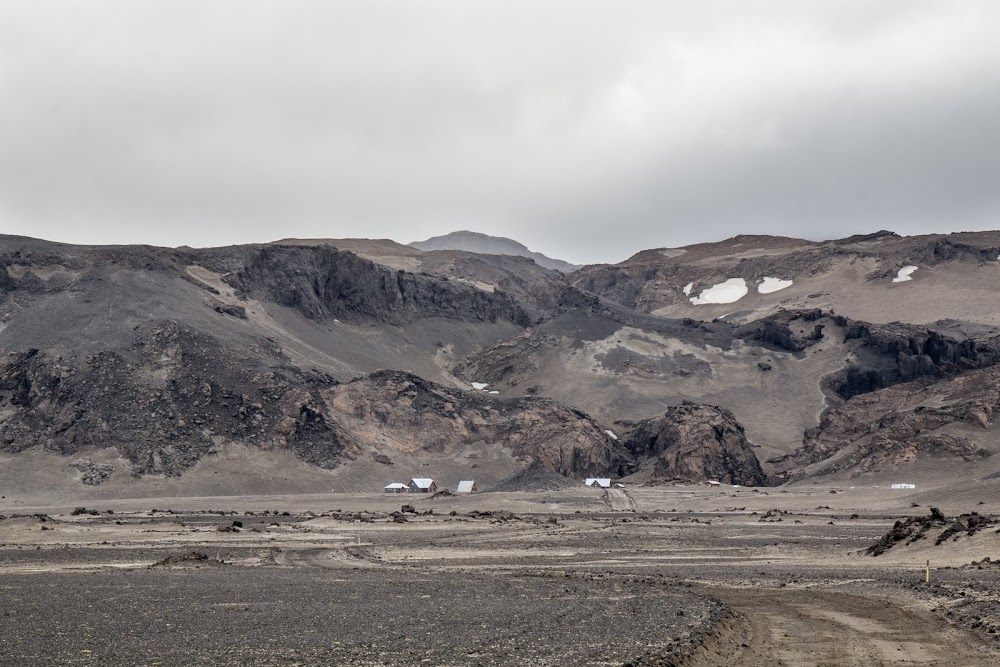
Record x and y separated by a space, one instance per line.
904 486
422 485
713 482
467 486
600 482
396 487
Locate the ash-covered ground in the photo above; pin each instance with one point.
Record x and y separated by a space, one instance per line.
644 576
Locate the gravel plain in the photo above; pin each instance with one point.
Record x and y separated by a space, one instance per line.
651 578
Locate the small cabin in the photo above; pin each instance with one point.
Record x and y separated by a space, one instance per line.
598 482
467 486
422 485
713 482
396 487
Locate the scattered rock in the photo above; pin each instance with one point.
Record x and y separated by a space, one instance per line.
191 558
93 473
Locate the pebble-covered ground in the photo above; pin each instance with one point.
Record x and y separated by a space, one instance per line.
481 586
231 615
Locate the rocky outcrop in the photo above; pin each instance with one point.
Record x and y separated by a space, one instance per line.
885 354
899 353
164 403
909 352
777 331
324 283
896 425
937 526
402 412
693 442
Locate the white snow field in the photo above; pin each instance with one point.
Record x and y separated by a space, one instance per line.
730 291
770 285
904 274
690 286
479 386
611 434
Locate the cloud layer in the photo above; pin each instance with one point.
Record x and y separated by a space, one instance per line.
587 130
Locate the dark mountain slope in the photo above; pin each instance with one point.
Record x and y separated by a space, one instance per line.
324 283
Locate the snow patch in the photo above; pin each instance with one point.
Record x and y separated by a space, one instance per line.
611 434
690 286
479 386
904 274
770 285
494 392
730 291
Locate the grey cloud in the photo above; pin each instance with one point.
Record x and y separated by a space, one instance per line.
588 130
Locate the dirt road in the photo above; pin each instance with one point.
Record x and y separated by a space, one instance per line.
619 500
799 628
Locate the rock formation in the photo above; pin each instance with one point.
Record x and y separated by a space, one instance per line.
695 443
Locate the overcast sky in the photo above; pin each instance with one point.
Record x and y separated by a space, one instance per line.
587 130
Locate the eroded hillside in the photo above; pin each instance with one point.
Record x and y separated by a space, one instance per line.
356 354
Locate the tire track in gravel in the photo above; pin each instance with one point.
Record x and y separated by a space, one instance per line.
796 628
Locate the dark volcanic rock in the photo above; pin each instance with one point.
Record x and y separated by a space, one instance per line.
696 443
908 352
324 283
189 559
162 402
776 331
914 529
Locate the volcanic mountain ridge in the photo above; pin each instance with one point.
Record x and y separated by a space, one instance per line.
167 355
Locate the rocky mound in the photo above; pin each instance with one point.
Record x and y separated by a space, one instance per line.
936 526
693 442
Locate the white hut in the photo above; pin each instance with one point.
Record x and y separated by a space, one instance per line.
467 486
599 482
422 485
396 487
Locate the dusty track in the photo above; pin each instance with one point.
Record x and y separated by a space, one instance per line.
619 500
799 628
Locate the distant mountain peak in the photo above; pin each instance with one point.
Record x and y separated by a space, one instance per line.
490 245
